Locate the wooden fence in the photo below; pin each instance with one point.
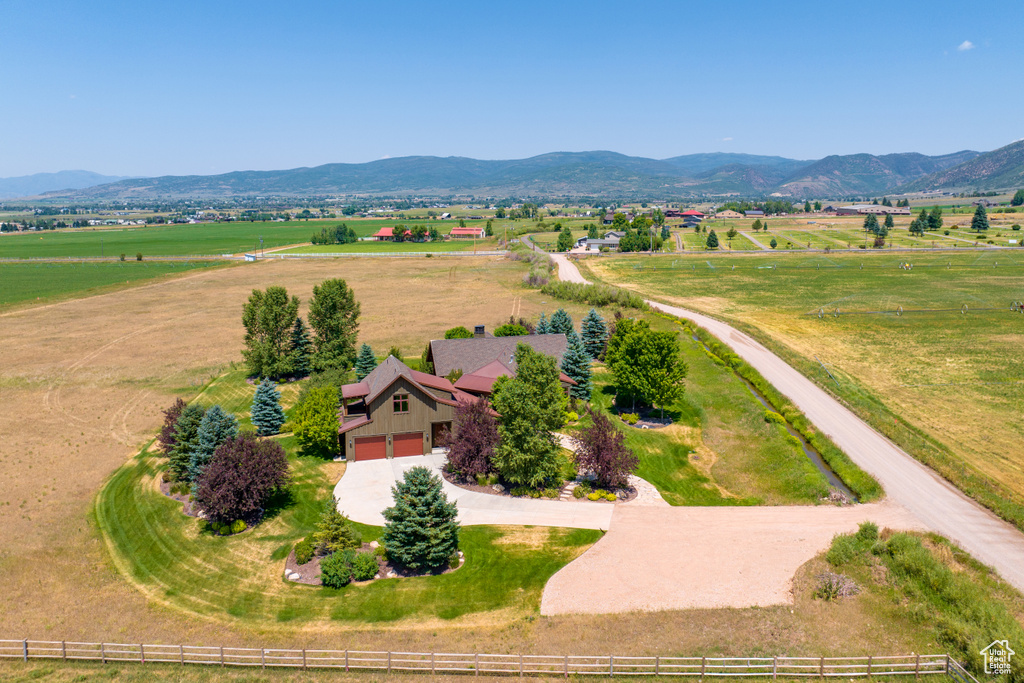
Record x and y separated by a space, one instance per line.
490 664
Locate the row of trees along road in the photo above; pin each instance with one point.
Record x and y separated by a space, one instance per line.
277 341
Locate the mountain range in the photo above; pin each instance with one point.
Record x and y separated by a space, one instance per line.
28 185
599 174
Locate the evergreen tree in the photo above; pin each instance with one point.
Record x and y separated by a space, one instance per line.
302 349
888 221
186 431
924 220
543 327
560 322
334 532
773 243
489 229
1018 198
665 233
935 219
871 223
712 241
807 206
365 362
421 530
565 241
216 427
980 220
576 365
592 230
266 413
595 332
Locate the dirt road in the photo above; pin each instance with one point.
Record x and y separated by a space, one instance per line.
937 504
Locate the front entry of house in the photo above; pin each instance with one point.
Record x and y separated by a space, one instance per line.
437 430
407 444
371 447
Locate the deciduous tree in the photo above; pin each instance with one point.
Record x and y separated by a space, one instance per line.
1018 198
530 407
268 317
171 415
421 530
472 440
241 477
510 330
601 449
646 364
334 317
316 421
565 241
935 219
459 332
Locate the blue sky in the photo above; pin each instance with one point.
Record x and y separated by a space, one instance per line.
140 88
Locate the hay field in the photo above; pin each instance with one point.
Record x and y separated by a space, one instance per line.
946 386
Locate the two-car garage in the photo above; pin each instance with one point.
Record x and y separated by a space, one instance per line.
376 447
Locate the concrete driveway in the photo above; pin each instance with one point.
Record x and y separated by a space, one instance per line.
365 491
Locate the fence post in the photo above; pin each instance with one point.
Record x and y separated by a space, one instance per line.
181 654
703 665
142 652
64 651
657 665
24 650
567 666
433 670
346 660
821 668
520 666
389 661
303 658
917 667
947 664
775 667
263 658
611 665
869 665
103 654
222 655
476 665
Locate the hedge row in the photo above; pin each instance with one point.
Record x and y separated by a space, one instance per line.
594 295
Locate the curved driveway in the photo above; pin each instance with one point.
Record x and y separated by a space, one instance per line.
936 503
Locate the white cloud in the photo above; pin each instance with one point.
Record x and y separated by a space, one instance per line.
726 139
965 46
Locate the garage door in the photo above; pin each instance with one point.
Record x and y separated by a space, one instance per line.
408 444
371 447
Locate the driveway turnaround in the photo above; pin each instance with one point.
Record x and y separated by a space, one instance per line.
365 491
936 503
658 558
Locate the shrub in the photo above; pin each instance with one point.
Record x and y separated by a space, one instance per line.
551 493
454 561
316 422
510 330
240 478
631 418
472 442
843 551
571 416
459 332
138 256
578 492
594 495
831 586
594 295
481 479
867 533
1015 226
334 532
772 417
122 257
364 566
304 550
421 530
335 570
238 526
610 497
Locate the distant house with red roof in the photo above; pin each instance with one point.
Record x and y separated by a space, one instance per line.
387 235
467 233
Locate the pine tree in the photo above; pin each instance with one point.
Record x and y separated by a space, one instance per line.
712 241
980 220
543 327
576 364
186 431
302 349
888 220
871 223
807 206
560 322
935 220
334 531
365 362
216 427
595 332
421 530
266 413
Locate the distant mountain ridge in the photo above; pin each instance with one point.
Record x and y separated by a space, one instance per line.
595 174
39 183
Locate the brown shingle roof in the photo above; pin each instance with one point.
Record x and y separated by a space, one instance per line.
469 355
385 374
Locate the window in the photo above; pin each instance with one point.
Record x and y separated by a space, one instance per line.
401 403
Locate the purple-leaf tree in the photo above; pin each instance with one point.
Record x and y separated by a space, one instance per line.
472 440
240 478
171 416
602 450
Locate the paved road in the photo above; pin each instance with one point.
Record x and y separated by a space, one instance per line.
365 491
936 503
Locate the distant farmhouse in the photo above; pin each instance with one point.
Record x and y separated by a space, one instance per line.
387 235
610 240
877 209
728 213
467 233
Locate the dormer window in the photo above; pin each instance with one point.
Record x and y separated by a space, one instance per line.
400 403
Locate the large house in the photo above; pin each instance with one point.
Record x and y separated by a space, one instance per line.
397 411
471 233
387 235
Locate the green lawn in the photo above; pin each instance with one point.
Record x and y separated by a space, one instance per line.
31 282
944 385
176 562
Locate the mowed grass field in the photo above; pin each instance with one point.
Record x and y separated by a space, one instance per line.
947 386
201 239
43 282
